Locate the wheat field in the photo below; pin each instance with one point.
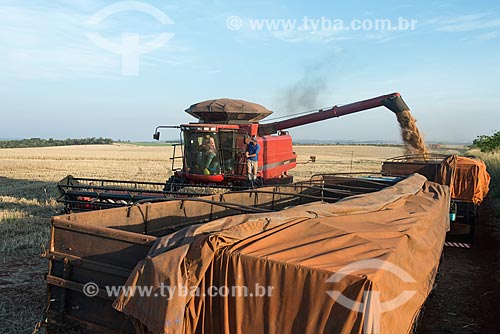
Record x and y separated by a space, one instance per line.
151 163
28 198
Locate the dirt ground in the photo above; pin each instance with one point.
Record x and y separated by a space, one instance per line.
467 297
465 301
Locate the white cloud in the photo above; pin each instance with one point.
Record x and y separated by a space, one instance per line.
488 36
50 43
298 36
58 63
465 23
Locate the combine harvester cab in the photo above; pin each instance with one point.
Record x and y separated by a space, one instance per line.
308 241
214 148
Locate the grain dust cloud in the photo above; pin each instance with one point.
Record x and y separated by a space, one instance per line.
413 140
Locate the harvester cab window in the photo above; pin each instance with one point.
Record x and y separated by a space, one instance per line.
202 153
227 151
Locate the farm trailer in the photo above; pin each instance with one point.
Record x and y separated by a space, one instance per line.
467 178
106 247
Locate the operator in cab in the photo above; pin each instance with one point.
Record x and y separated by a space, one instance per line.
210 153
252 154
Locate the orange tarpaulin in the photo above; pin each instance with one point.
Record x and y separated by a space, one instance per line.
467 178
304 254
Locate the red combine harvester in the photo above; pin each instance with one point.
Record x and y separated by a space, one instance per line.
226 125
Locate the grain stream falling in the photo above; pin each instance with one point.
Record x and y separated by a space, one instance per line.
413 140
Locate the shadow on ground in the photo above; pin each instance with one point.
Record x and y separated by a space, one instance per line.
36 198
467 298
25 210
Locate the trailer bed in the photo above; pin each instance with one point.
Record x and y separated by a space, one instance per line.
104 247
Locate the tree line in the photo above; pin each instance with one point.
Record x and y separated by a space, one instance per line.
488 144
39 142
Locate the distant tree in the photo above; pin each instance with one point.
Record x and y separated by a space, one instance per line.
488 144
39 142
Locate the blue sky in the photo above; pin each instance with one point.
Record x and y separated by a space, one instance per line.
57 82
